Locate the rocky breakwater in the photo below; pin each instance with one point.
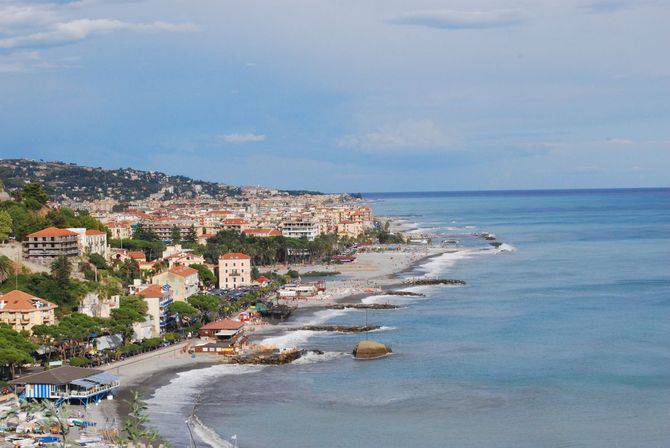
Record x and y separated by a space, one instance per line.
339 328
270 357
433 281
371 350
362 306
403 293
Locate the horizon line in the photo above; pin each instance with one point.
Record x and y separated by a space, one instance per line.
519 190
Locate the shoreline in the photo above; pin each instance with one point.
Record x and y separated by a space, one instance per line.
152 372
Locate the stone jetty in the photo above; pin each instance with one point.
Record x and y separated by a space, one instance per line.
434 281
339 328
362 306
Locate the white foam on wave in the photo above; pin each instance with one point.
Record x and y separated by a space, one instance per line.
312 357
297 338
207 434
445 261
383 328
391 299
181 389
505 247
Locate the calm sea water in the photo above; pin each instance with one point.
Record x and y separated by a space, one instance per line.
564 342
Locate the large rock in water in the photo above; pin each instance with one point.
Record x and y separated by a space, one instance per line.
370 350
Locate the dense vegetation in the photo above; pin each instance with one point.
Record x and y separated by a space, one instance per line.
27 213
266 251
71 181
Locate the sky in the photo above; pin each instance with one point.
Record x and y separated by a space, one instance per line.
344 95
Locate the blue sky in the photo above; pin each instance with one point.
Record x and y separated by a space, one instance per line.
344 95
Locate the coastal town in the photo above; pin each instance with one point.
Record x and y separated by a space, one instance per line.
94 290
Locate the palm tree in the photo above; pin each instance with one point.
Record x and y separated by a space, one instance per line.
6 268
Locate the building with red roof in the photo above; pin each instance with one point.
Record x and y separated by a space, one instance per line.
183 280
262 233
22 311
222 329
50 243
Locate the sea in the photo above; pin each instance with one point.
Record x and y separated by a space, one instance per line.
560 338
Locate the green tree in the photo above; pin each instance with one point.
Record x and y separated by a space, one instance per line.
175 235
131 310
141 232
206 276
34 191
5 225
191 236
206 304
127 271
98 261
183 312
15 349
6 268
61 270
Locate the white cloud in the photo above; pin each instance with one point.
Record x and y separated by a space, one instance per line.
77 30
456 20
15 17
410 134
242 138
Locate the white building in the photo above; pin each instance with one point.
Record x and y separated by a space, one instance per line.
91 241
300 229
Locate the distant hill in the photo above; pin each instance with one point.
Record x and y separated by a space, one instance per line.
70 181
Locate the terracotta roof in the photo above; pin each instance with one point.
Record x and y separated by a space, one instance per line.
235 221
22 301
223 324
137 254
235 256
95 232
263 279
183 271
152 292
52 231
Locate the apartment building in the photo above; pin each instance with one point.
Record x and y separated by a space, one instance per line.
23 311
300 229
91 241
50 243
158 298
234 270
351 229
183 281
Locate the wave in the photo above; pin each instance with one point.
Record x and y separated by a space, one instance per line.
505 247
382 329
312 357
445 261
297 338
207 434
169 401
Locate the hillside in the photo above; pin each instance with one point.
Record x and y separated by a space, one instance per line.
69 181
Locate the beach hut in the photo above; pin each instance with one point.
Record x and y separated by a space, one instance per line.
67 384
221 329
